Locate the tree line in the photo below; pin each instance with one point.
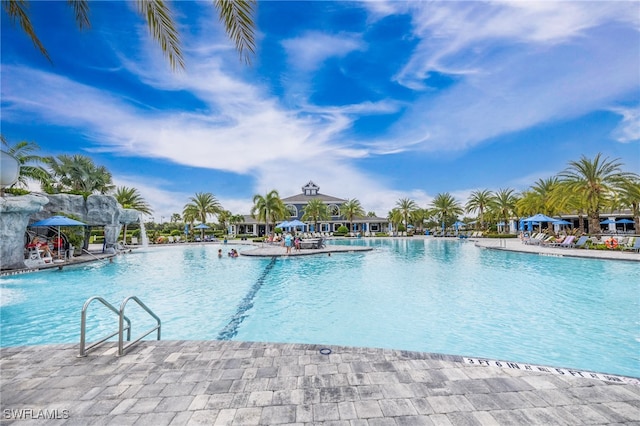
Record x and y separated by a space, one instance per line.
586 188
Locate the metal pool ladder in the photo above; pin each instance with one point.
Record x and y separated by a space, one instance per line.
121 326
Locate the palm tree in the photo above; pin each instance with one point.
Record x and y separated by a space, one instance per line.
130 198
629 197
446 208
77 174
351 209
200 207
395 217
540 199
223 217
236 15
505 204
269 209
595 181
315 211
418 218
236 219
406 207
23 151
479 201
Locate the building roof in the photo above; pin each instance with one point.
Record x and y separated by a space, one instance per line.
310 192
301 198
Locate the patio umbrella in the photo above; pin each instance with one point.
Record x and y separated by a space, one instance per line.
624 223
457 225
539 218
562 222
283 225
202 227
57 221
296 223
607 222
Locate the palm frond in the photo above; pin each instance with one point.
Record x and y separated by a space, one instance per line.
237 17
81 10
162 27
17 11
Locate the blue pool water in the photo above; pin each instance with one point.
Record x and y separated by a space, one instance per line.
416 294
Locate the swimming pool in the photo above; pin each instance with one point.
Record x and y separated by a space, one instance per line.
417 294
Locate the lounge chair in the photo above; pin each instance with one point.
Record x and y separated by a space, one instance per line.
582 241
567 242
634 247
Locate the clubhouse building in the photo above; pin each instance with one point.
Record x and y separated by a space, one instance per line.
296 204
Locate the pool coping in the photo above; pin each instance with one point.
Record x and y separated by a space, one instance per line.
233 382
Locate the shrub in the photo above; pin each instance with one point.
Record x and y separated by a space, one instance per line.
17 191
343 230
175 233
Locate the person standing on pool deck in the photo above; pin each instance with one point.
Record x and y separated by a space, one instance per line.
288 242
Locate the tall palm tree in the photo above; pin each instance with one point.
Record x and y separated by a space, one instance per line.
406 207
479 201
505 204
269 209
595 181
446 208
130 198
200 207
77 174
29 163
315 211
351 209
236 15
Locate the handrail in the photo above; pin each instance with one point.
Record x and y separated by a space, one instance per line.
95 257
83 323
121 347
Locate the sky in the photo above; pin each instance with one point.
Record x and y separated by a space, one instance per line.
376 101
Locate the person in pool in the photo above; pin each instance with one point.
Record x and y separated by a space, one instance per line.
219 252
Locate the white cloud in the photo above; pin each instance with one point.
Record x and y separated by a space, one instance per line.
309 51
517 66
629 128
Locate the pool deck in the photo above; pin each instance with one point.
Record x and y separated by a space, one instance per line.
514 244
249 383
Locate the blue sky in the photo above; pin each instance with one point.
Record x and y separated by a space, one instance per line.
371 100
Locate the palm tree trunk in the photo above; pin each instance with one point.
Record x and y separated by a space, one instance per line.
594 223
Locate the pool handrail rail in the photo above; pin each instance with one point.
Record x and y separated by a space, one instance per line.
83 323
121 328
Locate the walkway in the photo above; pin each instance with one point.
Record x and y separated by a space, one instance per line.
514 244
242 383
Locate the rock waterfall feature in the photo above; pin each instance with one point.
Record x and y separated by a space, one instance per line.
96 210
